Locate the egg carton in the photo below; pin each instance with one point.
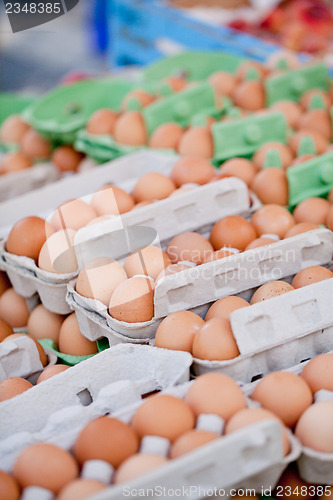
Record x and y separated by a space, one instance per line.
100 385
228 196
197 287
24 181
20 358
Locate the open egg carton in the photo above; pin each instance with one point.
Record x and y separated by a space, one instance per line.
196 288
191 209
57 409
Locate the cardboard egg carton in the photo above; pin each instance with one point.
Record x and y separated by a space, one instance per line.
192 210
20 358
57 409
196 288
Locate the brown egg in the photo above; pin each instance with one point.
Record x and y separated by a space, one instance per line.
232 231
271 186
45 465
215 341
9 489
319 141
163 415
285 394
138 465
249 416
301 227
102 122
14 162
223 83
13 129
5 329
217 255
318 373
290 483
190 441
57 255
285 152
144 203
14 309
244 68
197 141
176 83
71 340
192 169
310 94
330 196
44 324
40 349
177 331
260 242
191 247
35 145
272 219
310 275
291 111
149 261
283 60
13 386
99 278
329 220
111 200
215 393
314 428
28 236
66 159
143 98
166 136
241 168
222 308
106 439
72 214
4 282
249 95
318 120
173 269
50 372
153 186
133 300
269 290
130 129
80 489
302 159
313 210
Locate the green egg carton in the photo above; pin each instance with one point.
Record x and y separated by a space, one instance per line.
242 137
193 66
61 113
101 148
292 84
311 178
12 104
199 120
68 359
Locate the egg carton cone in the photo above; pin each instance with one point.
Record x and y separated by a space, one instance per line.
57 409
18 183
278 333
20 358
196 288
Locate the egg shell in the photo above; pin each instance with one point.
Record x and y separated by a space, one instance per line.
72 214
189 246
177 83
197 141
14 162
111 200
35 146
318 373
244 68
271 289
57 255
102 122
163 415
285 152
271 186
215 341
166 136
153 186
285 394
45 465
222 308
133 300
99 278
329 219
130 129
241 168
232 231
223 83
40 349
307 97
314 428
51 371
9 489
310 275
44 324
66 159
319 141
217 255
143 98
5 329
190 441
318 120
27 237
215 393
172 269
13 386
177 331
272 219
4 282
301 227
260 242
192 169
14 309
106 439
80 489
137 465
249 95
292 111
13 129
313 210
71 340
